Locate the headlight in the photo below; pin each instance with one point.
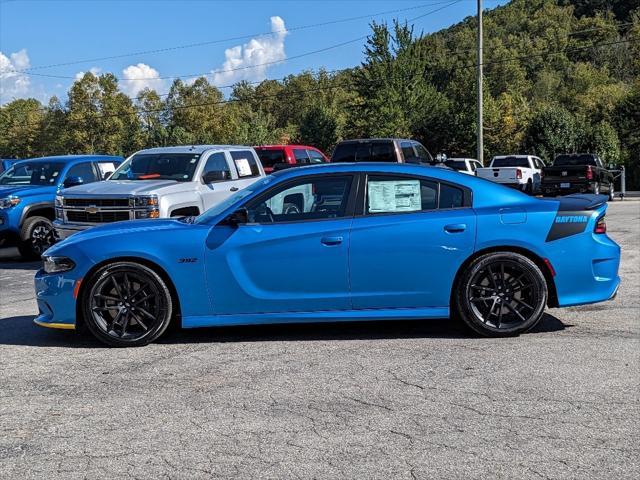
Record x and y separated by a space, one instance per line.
57 264
10 201
59 201
146 201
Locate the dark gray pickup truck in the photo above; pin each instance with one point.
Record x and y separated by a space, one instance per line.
577 172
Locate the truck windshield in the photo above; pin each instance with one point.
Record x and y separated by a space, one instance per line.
32 173
158 166
510 162
569 160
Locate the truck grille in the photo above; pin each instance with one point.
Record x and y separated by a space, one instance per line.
96 202
99 217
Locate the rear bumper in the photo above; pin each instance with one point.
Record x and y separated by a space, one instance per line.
586 272
555 188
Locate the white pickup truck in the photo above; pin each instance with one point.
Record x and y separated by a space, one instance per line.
159 183
523 172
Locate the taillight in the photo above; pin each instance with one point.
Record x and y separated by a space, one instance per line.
589 173
518 173
601 226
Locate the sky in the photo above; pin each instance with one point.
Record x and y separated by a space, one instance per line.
46 44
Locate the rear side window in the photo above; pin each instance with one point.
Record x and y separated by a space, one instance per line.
408 152
245 163
344 152
269 158
84 171
383 152
105 169
392 194
301 155
451 197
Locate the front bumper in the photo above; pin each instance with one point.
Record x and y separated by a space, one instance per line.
65 230
56 301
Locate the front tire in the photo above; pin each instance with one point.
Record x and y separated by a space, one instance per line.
36 235
501 294
126 304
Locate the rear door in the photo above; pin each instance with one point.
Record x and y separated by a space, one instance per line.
408 242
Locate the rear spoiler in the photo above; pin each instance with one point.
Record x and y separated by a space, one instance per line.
581 201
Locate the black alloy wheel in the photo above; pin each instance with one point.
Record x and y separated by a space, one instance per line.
127 304
502 294
37 235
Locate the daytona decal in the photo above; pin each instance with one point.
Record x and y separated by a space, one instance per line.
566 224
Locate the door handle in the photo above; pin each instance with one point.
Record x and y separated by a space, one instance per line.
330 241
234 189
455 228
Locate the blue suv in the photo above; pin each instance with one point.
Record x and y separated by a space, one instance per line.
27 196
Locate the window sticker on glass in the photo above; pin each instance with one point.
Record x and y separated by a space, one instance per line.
394 196
244 169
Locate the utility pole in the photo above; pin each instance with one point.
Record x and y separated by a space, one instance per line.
480 132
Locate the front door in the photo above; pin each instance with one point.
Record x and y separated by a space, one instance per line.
409 243
292 256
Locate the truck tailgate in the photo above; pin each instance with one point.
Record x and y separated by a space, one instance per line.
502 174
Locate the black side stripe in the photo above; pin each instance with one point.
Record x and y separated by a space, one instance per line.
568 223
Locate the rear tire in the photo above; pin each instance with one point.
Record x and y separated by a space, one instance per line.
529 188
612 193
596 189
500 294
36 235
126 304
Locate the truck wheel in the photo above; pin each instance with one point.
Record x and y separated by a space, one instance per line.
596 189
36 235
612 193
290 209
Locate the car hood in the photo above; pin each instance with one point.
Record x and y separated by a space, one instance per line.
124 187
25 190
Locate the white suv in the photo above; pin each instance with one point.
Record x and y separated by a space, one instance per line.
159 183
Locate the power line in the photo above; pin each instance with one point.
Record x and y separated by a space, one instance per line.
222 40
330 87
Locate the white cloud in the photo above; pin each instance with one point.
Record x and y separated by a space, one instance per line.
257 51
138 77
95 70
13 82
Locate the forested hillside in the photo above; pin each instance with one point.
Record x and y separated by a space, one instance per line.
560 76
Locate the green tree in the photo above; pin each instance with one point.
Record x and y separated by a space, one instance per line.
552 130
320 127
20 128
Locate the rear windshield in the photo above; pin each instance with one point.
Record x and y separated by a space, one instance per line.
32 173
364 152
568 160
158 166
456 164
269 158
510 162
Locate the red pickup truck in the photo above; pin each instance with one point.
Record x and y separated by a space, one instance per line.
283 156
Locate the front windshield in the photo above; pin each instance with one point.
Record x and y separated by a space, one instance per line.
32 173
158 166
236 197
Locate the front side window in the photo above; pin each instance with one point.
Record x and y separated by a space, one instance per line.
407 152
423 153
307 199
301 155
245 163
217 164
158 166
84 171
315 156
32 173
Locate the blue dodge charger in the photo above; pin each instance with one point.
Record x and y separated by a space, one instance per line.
336 242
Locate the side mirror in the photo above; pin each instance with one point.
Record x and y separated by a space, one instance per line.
215 176
72 182
106 175
611 166
441 157
239 217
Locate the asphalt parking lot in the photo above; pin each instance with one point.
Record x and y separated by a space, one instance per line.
387 400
